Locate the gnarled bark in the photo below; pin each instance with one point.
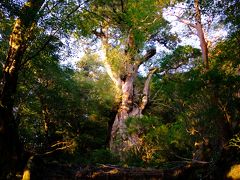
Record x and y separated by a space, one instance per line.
121 141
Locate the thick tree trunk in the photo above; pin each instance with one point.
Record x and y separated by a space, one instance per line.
110 124
10 147
9 140
222 125
119 138
121 141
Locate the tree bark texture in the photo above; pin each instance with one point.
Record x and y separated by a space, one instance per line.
121 141
18 43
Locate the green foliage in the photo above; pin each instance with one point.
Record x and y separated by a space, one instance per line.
100 156
159 142
182 55
118 60
140 19
232 8
5 30
77 104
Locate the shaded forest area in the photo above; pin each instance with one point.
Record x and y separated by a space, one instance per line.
154 94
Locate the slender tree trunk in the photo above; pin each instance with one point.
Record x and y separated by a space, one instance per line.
222 124
9 140
200 33
110 124
47 127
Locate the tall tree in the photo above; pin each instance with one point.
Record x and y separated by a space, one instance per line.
126 31
200 18
18 43
200 33
25 45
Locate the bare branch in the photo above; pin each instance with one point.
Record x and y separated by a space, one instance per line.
60 146
187 22
191 30
192 160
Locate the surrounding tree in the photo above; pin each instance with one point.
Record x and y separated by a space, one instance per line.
20 38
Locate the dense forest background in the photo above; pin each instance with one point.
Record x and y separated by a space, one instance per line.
121 83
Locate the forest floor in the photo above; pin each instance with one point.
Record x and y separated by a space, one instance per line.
56 171
50 169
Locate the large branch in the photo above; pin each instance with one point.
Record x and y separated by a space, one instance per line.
112 75
182 20
105 45
146 89
187 22
29 11
150 53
